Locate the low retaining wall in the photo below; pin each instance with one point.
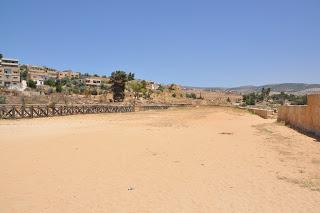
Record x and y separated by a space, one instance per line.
305 118
263 113
159 107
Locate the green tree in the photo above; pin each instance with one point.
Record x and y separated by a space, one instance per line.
58 88
1 56
191 95
268 91
249 99
23 72
144 84
118 80
130 76
50 82
31 84
161 88
136 88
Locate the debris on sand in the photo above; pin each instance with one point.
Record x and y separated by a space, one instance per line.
226 133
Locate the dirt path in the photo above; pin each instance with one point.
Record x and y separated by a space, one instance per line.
194 160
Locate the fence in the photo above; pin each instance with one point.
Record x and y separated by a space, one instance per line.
36 111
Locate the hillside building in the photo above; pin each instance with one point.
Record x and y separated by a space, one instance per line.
93 81
68 74
40 73
9 73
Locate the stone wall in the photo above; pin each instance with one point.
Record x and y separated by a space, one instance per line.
263 113
305 118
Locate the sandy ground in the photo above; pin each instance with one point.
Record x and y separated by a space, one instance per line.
190 160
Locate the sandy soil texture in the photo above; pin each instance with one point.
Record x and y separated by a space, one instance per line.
187 160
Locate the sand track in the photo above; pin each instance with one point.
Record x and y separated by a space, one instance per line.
191 160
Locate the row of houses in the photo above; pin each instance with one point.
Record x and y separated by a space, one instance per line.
10 74
41 73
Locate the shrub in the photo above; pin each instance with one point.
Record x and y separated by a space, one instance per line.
161 88
59 88
50 82
76 90
174 95
249 99
191 95
31 84
104 86
2 99
94 92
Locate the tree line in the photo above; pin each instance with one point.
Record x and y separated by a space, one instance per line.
264 95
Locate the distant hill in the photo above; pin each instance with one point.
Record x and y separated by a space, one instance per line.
291 88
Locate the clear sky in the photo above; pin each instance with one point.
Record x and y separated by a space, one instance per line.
198 43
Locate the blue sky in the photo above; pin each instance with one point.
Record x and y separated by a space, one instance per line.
198 43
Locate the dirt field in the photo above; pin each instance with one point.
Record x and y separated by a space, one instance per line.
187 160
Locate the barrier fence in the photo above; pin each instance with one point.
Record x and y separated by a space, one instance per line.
38 111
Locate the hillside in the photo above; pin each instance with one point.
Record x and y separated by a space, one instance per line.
285 87
292 88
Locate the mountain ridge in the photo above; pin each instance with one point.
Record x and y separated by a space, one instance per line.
291 88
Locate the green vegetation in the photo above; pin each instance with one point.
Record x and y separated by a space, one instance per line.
2 99
137 88
161 88
191 95
23 72
118 80
1 56
58 88
293 99
31 84
264 95
249 99
94 91
130 76
105 86
50 82
253 98
172 87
